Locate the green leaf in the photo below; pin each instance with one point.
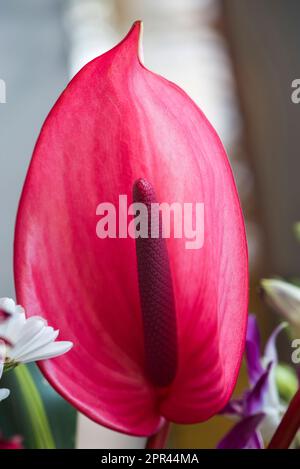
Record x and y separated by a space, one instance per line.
36 415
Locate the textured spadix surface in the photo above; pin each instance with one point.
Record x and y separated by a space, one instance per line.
117 122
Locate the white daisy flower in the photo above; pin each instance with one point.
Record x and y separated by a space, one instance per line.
27 340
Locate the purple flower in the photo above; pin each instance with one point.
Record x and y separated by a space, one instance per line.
259 410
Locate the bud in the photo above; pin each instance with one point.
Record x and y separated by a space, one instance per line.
297 230
284 298
286 381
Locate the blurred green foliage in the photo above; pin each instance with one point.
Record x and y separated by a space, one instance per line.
14 415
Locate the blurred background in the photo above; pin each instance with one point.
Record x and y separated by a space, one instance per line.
236 58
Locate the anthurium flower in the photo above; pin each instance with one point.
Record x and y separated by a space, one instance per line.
26 340
284 298
259 410
158 329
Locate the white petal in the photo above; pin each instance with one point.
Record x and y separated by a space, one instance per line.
54 349
12 327
4 393
42 338
2 356
272 399
20 309
8 305
270 422
30 330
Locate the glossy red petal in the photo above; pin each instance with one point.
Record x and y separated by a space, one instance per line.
117 122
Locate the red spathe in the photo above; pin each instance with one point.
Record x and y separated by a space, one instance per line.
117 122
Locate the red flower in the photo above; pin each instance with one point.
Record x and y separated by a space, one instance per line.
117 122
13 443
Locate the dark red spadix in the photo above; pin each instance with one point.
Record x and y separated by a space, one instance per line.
156 292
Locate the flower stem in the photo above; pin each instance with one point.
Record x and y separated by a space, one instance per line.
288 426
158 441
42 434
